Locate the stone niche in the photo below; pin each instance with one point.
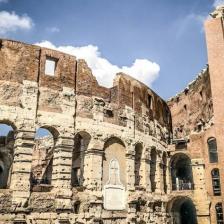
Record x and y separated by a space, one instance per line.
114 190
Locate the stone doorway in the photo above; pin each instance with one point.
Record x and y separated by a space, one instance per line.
183 211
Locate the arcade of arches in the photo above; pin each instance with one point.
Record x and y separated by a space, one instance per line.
114 169
72 151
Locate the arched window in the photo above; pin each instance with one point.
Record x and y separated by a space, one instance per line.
219 213
212 149
82 140
138 157
216 182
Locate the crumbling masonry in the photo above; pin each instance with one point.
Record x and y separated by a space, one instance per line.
114 155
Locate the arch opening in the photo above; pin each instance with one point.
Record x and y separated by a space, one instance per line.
7 141
114 175
81 143
42 159
183 211
114 148
181 172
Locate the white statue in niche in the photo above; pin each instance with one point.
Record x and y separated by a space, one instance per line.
114 191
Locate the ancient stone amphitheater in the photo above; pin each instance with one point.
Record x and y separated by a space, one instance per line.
113 155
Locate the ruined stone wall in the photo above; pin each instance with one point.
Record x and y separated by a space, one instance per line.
193 124
71 104
192 109
197 117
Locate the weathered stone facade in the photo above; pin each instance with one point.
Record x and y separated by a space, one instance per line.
197 119
114 155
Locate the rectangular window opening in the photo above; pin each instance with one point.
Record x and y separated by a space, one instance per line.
50 66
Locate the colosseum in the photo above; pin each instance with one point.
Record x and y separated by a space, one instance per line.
72 151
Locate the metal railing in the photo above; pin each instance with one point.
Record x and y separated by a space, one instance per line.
183 186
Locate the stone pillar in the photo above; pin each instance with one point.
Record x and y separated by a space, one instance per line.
93 169
23 147
61 176
21 171
203 219
130 166
161 176
168 177
202 206
158 175
145 171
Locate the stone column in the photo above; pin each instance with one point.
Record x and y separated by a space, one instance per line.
93 169
130 166
161 176
202 206
21 170
130 169
61 176
168 177
158 175
23 147
145 171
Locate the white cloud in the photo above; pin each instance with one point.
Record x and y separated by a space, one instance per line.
53 29
144 70
11 22
218 2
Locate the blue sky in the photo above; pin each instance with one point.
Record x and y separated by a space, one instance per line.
166 37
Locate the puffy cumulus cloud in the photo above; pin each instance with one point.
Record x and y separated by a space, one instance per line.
144 70
218 2
11 22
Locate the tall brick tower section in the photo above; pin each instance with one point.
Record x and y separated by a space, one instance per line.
214 29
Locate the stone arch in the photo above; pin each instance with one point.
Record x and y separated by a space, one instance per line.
42 158
8 123
153 168
114 148
81 143
182 210
53 131
113 138
7 141
181 172
137 167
